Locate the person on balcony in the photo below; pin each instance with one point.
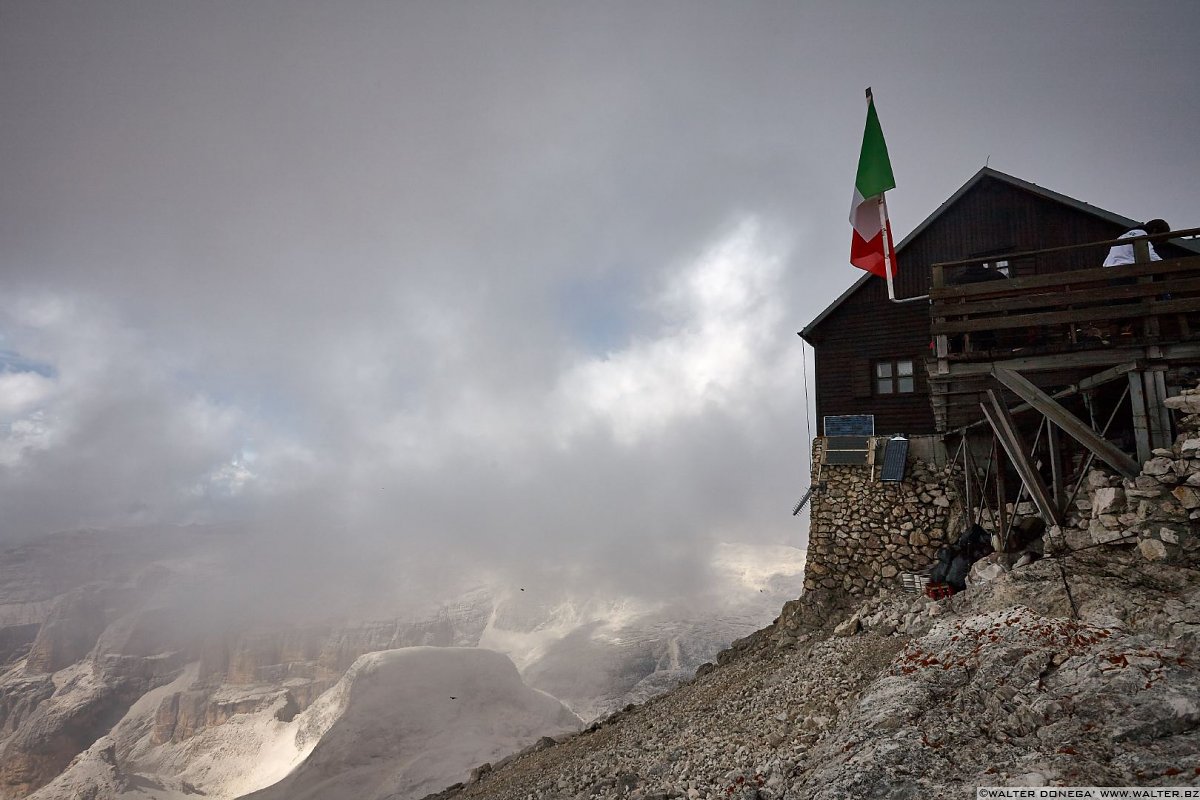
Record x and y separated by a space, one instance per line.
1123 253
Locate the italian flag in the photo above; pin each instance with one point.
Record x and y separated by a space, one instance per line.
867 212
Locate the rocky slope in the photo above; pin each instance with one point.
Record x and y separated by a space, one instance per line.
1082 668
913 698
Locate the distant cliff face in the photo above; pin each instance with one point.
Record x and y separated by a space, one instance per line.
410 721
113 685
97 653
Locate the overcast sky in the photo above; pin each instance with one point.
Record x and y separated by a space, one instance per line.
514 283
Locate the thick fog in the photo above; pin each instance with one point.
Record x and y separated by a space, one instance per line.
507 288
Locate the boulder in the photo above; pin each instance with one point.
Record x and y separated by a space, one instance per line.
1108 500
1188 496
1152 550
1187 403
986 569
1160 465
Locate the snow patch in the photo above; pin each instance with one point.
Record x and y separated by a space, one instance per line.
409 722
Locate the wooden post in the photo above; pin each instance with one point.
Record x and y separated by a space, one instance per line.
1141 425
1056 466
1141 255
941 343
1156 408
969 474
1001 489
1141 252
1010 438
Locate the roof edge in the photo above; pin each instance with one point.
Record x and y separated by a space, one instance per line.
984 172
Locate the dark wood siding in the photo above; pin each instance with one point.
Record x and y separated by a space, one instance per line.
866 329
993 216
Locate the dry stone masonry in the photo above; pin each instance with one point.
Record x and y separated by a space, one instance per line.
1158 511
865 532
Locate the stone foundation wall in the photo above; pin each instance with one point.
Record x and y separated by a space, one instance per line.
864 533
1158 511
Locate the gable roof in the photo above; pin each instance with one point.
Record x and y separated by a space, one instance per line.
986 172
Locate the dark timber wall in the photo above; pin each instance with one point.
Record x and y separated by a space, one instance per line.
994 216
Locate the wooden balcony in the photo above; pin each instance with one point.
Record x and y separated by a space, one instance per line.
1067 331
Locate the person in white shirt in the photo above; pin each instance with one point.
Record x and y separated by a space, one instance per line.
1123 253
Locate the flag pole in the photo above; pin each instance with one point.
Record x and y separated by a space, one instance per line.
889 268
879 180
889 250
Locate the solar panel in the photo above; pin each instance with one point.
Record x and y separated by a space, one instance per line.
848 442
895 455
850 425
847 457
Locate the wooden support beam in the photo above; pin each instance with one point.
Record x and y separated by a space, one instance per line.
1160 419
1056 466
1148 309
1098 275
1054 296
1150 327
1100 358
1085 385
1001 524
1101 378
1141 422
941 343
1074 427
1010 439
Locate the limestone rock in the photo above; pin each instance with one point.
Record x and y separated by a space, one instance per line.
72 628
1152 549
1187 403
986 569
1188 496
1103 531
1158 466
1108 500
848 627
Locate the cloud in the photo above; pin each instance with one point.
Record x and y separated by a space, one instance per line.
384 463
433 289
720 316
20 391
115 437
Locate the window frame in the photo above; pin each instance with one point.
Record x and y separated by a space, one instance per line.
889 372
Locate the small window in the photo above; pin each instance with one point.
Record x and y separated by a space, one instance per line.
883 378
895 377
904 377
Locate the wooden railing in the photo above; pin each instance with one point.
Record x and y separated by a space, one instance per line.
1141 303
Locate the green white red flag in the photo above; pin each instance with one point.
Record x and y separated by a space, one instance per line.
868 214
